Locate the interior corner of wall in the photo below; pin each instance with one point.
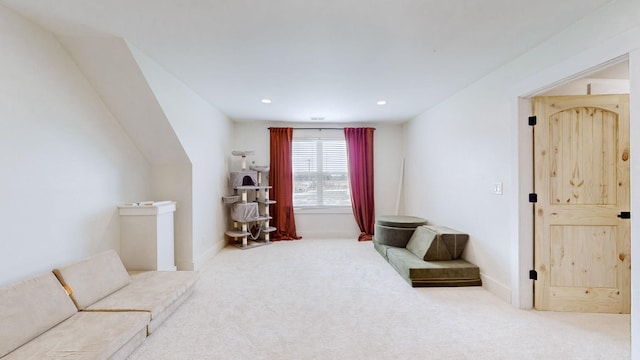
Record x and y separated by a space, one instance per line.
207 255
185 265
496 287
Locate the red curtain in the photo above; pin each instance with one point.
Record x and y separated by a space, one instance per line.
281 180
360 156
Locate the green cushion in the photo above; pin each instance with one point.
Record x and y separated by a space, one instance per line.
395 230
418 272
400 221
381 248
427 245
454 240
393 236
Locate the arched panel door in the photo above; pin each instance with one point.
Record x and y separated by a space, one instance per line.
581 176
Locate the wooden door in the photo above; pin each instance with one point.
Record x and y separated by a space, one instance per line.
581 176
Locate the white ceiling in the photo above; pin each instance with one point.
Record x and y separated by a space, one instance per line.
319 58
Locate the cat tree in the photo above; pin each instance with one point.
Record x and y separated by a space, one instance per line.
249 205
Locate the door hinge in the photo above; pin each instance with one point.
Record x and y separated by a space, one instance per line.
533 275
533 198
533 120
625 215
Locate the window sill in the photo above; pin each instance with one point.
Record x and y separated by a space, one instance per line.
323 210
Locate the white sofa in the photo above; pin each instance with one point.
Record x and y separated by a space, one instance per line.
90 309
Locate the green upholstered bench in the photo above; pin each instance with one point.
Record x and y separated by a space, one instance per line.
429 257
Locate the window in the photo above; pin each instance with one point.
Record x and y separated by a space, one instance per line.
320 175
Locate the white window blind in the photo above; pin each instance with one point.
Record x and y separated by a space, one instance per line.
320 175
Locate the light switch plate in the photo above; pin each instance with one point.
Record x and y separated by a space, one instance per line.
497 188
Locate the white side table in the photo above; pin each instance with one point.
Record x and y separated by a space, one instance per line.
146 235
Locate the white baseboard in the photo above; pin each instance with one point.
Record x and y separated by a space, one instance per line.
198 263
184 265
497 288
209 254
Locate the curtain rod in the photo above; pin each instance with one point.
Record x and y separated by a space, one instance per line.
316 128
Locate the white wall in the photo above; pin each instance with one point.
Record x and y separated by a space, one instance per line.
110 67
455 153
309 224
205 134
588 86
456 150
174 182
65 163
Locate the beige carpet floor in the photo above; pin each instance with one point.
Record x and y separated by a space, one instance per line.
339 299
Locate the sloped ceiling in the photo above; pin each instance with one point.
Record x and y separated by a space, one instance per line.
332 59
116 76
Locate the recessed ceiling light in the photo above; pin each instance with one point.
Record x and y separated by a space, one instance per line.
266 101
382 102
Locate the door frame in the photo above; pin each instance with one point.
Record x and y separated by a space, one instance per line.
522 145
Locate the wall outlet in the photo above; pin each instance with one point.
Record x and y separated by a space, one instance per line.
496 188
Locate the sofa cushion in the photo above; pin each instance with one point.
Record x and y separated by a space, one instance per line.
151 291
31 307
93 278
88 335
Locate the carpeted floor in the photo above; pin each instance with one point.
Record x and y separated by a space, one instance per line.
339 299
